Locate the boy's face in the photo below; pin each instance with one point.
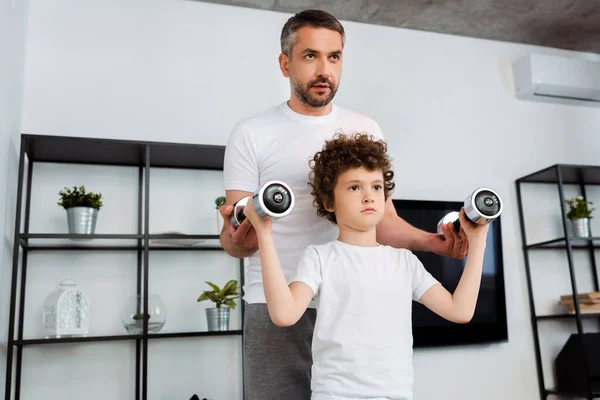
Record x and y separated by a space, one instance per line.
359 199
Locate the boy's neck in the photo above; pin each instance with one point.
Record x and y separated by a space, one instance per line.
359 238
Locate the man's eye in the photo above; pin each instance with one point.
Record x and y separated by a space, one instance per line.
310 56
336 57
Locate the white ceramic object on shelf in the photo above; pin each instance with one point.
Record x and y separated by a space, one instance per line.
66 311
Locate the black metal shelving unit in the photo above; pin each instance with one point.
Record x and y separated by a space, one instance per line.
77 150
561 175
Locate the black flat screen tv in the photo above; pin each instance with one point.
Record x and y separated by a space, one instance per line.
489 323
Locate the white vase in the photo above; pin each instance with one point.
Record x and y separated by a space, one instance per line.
581 227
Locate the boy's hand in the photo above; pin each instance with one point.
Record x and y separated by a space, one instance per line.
474 232
261 225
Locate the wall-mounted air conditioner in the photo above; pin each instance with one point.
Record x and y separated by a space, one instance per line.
557 79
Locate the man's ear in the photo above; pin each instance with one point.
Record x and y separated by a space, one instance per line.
284 65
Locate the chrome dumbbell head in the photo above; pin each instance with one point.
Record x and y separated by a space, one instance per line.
274 198
483 206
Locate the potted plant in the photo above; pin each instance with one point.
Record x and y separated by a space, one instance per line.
82 209
219 201
224 300
580 214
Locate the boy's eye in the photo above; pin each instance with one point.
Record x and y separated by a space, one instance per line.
353 188
377 187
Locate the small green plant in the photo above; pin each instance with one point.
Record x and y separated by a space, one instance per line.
578 208
78 197
225 296
220 201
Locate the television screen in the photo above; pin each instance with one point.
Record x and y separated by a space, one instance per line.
489 321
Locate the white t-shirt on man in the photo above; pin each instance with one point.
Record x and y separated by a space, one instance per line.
362 342
277 144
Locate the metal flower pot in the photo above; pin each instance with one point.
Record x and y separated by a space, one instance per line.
82 220
581 227
218 318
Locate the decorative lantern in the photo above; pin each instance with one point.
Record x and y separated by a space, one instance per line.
66 311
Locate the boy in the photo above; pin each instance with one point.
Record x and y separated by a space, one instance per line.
362 343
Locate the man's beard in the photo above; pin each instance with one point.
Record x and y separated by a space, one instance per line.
304 95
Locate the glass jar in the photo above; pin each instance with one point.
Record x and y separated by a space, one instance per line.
133 320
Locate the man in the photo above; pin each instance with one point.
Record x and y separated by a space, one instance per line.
277 144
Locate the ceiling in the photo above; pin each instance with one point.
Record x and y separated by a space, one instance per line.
565 24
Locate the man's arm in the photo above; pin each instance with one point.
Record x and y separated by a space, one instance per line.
241 242
394 231
460 306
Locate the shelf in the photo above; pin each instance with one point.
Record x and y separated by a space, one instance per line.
566 316
571 174
26 342
78 150
118 242
192 334
569 394
561 243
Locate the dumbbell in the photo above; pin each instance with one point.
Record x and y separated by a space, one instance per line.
274 199
481 207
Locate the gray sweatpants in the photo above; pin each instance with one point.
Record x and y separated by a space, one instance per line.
277 361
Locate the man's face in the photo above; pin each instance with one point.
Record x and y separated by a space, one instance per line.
315 66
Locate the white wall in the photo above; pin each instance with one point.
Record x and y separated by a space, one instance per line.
13 22
186 71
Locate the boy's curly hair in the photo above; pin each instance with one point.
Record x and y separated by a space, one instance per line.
340 154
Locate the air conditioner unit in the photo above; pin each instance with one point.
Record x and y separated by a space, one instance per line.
557 79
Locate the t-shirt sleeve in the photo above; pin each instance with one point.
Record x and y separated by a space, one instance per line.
421 279
240 168
308 270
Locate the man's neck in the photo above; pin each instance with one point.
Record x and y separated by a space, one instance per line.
301 108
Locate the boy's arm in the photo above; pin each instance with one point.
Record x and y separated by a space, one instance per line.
286 304
395 232
460 306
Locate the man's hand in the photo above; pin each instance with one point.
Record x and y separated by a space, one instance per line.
241 242
450 244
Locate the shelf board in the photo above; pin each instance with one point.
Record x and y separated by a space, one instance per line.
561 243
570 394
571 174
79 150
25 342
193 334
123 242
566 316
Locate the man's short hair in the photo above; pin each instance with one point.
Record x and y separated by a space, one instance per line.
312 18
